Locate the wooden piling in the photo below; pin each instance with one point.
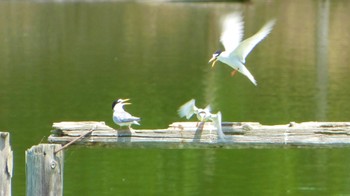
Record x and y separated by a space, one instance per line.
6 163
44 170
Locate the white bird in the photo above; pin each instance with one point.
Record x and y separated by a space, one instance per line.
235 50
120 116
189 108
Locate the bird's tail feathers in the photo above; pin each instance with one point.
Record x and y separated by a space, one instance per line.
246 72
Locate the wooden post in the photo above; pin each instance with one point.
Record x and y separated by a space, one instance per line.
44 170
6 163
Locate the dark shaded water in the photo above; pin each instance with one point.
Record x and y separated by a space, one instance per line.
69 61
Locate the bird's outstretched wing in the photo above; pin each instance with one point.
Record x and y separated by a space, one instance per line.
187 109
247 45
232 31
217 121
208 108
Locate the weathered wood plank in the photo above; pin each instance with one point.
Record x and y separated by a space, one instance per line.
6 164
44 170
247 133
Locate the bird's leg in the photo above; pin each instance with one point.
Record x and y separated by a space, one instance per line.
203 125
200 123
233 72
131 130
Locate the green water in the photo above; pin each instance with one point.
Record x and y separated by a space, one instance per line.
69 61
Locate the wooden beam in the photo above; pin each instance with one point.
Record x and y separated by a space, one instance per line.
6 164
44 170
186 134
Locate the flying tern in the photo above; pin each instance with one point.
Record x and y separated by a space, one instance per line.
189 109
120 116
236 50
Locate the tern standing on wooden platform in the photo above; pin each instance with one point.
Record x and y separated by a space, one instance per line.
120 116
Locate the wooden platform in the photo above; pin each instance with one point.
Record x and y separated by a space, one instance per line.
193 134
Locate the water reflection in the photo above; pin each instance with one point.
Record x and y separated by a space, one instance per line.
322 37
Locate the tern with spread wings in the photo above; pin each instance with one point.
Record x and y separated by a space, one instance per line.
236 50
189 109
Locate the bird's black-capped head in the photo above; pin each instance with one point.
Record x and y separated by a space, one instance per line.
214 58
120 101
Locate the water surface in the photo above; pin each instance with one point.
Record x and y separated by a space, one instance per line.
69 61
